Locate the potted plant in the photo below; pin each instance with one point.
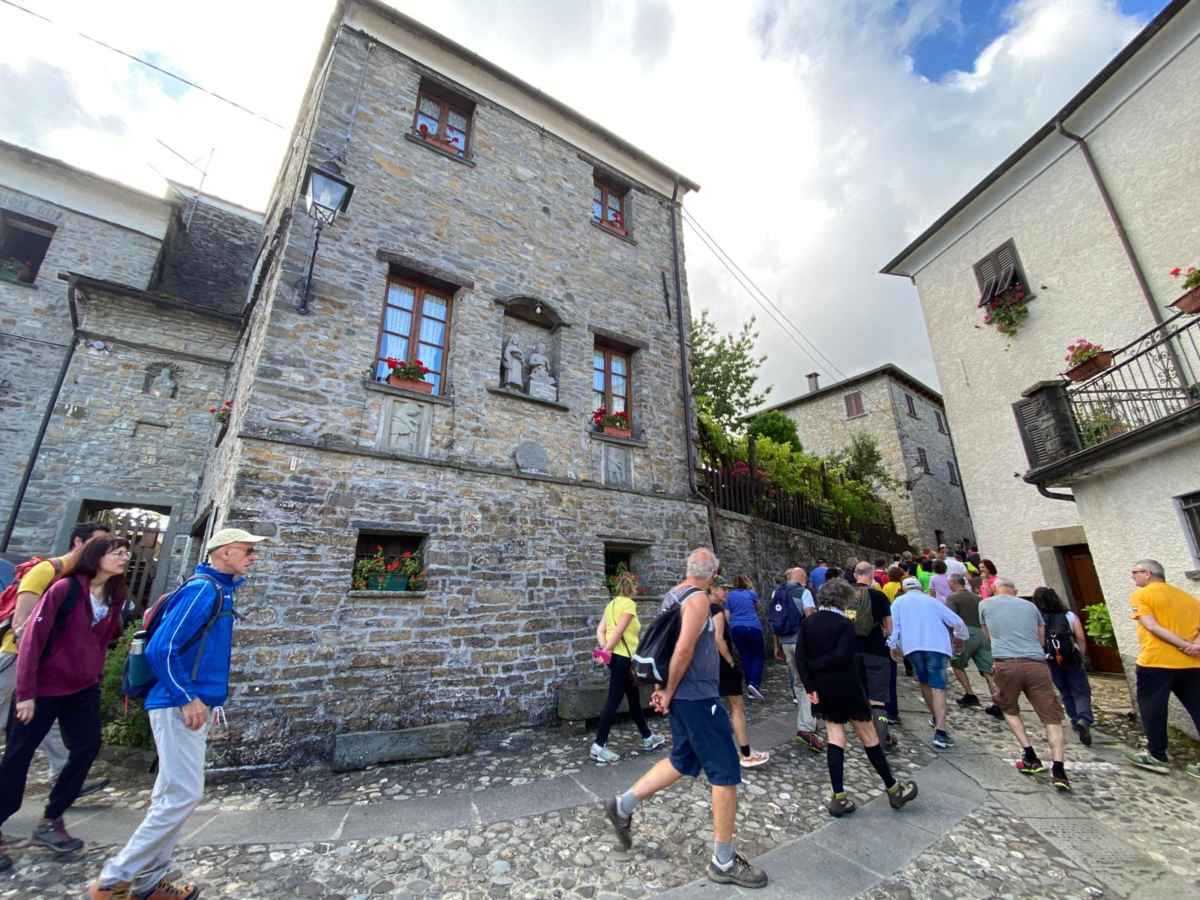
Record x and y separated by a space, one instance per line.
1007 310
1099 425
1190 301
221 414
409 375
401 571
445 143
1086 359
615 424
368 571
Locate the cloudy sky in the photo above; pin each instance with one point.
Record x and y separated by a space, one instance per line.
825 133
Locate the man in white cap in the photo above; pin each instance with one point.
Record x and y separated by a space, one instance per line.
189 654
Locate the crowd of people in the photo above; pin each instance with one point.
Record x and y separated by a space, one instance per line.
843 634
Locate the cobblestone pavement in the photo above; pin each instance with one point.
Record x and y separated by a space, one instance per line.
1118 834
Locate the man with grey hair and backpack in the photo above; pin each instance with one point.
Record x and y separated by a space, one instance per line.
188 653
701 733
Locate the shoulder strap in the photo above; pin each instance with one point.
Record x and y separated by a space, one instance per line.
60 617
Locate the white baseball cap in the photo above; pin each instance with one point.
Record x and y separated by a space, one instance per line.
232 536
911 584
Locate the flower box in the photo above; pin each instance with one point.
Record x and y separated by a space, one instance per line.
409 384
1189 302
613 431
1089 367
393 581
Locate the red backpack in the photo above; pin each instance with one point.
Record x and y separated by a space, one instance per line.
8 599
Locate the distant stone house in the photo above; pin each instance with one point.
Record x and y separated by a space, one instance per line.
908 422
118 316
1072 481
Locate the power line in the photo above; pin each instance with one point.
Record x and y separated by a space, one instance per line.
147 64
762 299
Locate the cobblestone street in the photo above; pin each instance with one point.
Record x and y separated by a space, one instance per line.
521 818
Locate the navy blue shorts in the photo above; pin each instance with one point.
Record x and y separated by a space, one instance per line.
703 739
930 668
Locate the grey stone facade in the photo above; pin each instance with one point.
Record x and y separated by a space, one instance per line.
514 499
927 503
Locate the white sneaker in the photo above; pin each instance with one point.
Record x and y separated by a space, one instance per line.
754 693
603 754
756 758
653 742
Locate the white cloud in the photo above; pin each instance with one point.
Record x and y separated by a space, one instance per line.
820 151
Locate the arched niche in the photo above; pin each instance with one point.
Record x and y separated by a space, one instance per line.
530 347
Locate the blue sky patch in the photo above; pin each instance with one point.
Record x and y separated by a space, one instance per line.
956 45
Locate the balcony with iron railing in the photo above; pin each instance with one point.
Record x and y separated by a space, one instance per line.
1151 390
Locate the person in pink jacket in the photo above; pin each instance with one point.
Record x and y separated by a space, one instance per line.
987 586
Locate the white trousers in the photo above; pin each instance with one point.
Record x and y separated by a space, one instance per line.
146 858
52 744
805 720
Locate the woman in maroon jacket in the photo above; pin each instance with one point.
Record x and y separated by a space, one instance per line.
58 678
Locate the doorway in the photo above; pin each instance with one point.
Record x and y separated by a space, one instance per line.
1085 590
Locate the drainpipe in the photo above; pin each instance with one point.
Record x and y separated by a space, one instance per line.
685 378
1054 495
41 434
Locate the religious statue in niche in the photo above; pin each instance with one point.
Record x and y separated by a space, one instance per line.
513 365
541 383
160 384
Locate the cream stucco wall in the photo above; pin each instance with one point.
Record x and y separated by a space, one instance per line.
1131 514
1143 131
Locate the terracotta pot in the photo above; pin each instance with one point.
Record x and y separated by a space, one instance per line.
618 432
421 387
1189 302
1090 367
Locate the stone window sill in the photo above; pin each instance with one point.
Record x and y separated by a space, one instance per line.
386 595
620 237
623 442
434 148
382 388
861 415
20 284
517 395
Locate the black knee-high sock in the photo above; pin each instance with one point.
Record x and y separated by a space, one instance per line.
879 761
835 758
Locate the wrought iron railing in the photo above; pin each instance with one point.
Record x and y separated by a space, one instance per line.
1151 378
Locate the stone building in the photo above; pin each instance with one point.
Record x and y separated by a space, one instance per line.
908 421
118 315
1087 219
531 260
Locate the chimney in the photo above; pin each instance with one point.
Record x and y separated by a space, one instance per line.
813 378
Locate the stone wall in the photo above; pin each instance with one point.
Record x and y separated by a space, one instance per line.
132 418
515 588
210 253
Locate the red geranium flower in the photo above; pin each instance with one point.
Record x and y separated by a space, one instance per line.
1175 272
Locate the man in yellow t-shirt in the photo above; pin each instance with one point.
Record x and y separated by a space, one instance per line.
35 583
1168 629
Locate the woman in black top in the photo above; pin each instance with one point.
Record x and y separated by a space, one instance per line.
731 676
825 662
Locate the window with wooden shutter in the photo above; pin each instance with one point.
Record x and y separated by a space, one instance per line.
941 423
415 328
443 118
608 204
854 404
611 384
912 406
922 460
999 271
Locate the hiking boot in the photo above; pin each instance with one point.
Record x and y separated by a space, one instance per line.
841 805
1150 763
1085 733
1192 769
1058 778
53 834
654 742
968 700
622 825
740 872
172 890
901 792
755 694
602 754
811 741
92 787
994 711
1026 767
756 758
942 741
119 891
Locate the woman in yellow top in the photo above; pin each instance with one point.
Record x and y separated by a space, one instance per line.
893 586
617 637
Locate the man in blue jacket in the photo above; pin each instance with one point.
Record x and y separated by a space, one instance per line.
192 684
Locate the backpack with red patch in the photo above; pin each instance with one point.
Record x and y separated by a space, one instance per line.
8 599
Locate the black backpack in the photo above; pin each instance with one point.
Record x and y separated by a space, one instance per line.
1060 642
656 645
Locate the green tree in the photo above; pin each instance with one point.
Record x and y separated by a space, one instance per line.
774 425
861 461
724 370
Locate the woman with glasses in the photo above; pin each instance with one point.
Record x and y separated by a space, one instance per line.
61 658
